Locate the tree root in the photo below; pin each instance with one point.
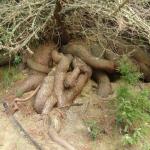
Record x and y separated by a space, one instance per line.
71 78
145 70
62 68
104 85
30 84
44 92
79 50
27 98
85 74
56 138
37 67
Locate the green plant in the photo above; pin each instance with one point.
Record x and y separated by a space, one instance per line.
17 60
146 146
132 107
93 128
128 71
9 75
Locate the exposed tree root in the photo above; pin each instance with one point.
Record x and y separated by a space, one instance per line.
145 70
86 72
30 84
71 78
63 83
27 98
37 67
76 90
62 68
141 56
104 85
55 137
80 50
44 92
42 54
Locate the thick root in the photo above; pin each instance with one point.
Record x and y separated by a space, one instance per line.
104 85
37 67
141 56
145 70
82 79
27 98
50 103
30 84
71 94
42 54
62 68
56 138
71 78
44 92
78 49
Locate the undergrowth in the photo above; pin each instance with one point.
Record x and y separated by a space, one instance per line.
132 106
93 128
9 75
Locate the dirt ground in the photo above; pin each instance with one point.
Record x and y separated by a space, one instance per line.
74 128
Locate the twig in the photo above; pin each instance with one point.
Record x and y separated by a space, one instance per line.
120 7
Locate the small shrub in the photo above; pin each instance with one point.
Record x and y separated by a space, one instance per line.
128 71
93 128
17 60
132 107
9 75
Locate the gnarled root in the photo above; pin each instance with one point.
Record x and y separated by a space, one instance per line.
79 50
54 127
71 78
55 137
64 62
36 66
71 94
30 84
85 74
45 91
53 133
104 85
145 70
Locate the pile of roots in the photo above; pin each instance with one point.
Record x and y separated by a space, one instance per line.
108 30
58 75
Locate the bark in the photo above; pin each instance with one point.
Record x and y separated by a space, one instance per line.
51 101
55 137
38 67
141 56
71 78
82 79
145 70
62 68
44 92
30 83
72 93
104 85
42 54
79 50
